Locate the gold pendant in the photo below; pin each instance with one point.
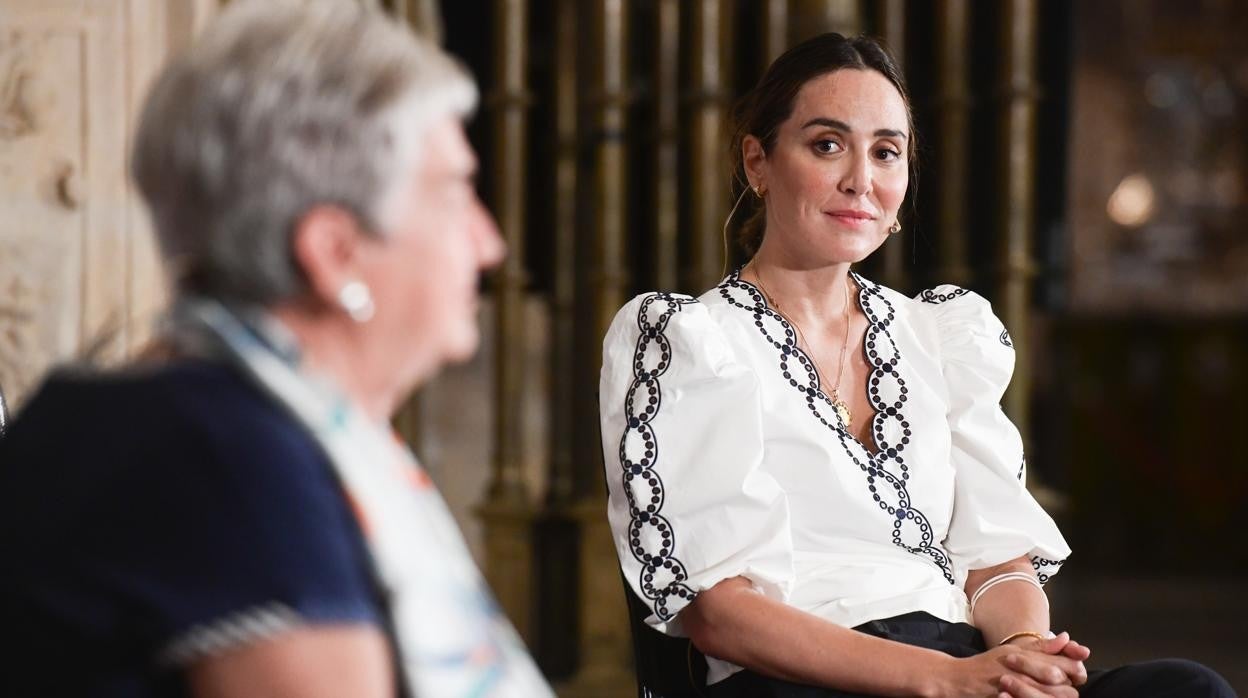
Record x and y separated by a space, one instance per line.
843 410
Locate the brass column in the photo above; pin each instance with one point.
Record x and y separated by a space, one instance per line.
608 263
708 134
667 125
563 291
775 30
952 106
813 17
604 641
507 512
1016 183
557 525
892 28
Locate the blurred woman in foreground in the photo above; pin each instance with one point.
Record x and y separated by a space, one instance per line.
236 517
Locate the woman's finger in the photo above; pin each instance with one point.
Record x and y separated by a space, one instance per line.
1074 650
1019 686
1053 670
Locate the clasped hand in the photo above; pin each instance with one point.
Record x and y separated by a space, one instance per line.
1031 668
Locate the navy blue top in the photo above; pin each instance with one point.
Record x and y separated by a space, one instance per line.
135 507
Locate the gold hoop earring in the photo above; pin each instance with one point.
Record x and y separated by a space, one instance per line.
760 191
894 228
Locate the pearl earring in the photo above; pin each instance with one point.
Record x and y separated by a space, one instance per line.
357 301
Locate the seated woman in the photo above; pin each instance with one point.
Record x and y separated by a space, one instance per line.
810 474
235 517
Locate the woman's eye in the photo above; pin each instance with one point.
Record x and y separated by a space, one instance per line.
887 154
827 147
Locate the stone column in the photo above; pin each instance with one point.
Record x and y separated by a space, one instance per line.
603 670
891 19
809 18
507 512
1016 181
952 106
775 27
667 187
709 188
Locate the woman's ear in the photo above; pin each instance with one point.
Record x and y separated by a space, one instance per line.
326 245
754 160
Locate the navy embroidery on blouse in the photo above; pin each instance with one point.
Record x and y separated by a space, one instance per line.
1045 568
651 538
1005 338
887 392
932 296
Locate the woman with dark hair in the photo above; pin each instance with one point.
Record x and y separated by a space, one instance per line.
810 474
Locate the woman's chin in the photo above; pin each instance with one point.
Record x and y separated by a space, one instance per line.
462 343
865 247
840 246
852 254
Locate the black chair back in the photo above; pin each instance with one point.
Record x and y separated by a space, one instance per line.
666 667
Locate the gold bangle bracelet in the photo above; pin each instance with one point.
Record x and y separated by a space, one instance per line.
1026 633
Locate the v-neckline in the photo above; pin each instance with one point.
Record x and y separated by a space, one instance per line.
871 449
884 357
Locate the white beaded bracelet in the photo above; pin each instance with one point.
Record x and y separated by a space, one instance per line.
1006 577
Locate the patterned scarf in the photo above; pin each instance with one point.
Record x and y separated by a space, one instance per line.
450 638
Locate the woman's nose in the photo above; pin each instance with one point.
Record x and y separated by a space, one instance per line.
856 179
491 249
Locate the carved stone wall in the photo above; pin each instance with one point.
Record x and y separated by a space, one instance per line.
78 271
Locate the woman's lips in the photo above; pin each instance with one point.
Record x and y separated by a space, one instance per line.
851 218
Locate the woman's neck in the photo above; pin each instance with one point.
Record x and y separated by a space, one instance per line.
330 346
811 296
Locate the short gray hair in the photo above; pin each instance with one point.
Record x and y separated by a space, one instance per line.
279 106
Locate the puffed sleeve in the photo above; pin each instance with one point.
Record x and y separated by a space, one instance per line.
689 505
995 518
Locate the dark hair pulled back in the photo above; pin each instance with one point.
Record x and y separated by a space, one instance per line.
762 110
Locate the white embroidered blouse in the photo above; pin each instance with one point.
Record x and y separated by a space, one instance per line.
725 458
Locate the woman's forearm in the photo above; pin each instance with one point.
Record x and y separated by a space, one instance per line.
1009 607
735 623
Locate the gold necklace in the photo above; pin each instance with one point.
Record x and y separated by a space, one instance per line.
842 409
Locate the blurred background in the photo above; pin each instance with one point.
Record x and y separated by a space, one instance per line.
1082 165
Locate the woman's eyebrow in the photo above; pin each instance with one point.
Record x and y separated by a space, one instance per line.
842 126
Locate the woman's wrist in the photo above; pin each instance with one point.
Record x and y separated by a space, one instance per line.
1027 637
933 680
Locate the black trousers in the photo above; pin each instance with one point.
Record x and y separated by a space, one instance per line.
1166 678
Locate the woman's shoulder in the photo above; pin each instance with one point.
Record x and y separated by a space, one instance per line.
140 466
931 300
719 312
88 399
191 446
959 313
968 333
673 335
668 314
948 308
148 415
